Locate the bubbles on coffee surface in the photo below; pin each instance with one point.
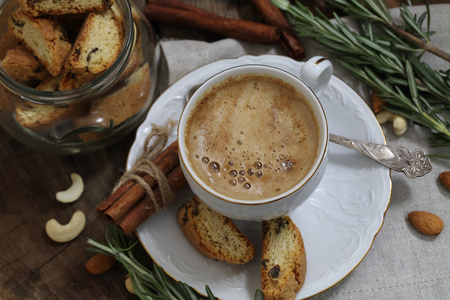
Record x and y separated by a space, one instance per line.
237 176
287 165
243 176
214 166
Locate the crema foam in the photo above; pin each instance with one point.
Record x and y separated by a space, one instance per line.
252 137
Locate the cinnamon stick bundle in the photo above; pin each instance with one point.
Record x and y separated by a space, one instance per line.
273 16
146 208
183 15
129 203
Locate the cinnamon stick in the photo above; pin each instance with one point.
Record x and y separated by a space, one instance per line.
234 28
146 208
105 204
127 195
179 5
273 16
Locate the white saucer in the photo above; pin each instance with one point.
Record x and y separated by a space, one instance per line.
338 223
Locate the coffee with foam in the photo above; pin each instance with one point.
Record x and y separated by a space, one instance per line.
252 137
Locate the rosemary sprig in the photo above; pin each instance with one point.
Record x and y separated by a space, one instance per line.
385 62
376 11
148 284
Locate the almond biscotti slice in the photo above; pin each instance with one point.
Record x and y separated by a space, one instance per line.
4 99
7 41
283 262
96 48
45 38
49 84
213 234
22 66
36 8
127 101
40 117
124 103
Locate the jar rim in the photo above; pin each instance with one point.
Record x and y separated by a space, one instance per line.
93 88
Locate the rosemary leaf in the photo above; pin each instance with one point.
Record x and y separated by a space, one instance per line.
412 85
421 19
412 23
396 81
335 46
189 291
435 80
346 32
380 10
259 295
209 293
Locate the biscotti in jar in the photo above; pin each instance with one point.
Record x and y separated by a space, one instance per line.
75 77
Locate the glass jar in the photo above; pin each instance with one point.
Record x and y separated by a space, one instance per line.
91 116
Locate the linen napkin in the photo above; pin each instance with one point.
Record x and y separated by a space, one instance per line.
402 264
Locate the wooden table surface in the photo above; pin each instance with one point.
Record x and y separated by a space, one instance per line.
31 265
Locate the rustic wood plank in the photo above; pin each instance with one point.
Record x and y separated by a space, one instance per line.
32 266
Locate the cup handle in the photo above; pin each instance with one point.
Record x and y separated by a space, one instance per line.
316 73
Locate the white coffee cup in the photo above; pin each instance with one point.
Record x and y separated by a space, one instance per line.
315 75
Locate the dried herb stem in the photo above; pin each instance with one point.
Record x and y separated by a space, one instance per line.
427 46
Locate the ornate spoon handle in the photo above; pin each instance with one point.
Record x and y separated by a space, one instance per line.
413 163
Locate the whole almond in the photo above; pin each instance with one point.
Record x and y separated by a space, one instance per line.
100 263
129 284
444 177
426 222
377 102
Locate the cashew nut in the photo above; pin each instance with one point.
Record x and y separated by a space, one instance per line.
64 233
400 123
74 192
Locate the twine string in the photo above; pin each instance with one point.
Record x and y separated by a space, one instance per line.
144 165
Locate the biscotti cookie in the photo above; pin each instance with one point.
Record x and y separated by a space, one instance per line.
283 262
40 117
127 101
45 38
4 98
49 84
36 8
123 103
96 48
213 234
7 41
22 66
